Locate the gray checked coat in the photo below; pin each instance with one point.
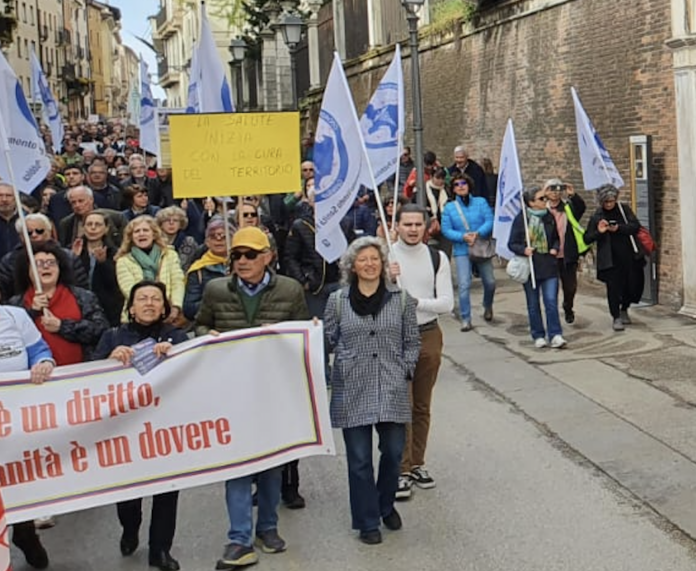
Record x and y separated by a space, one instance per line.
374 360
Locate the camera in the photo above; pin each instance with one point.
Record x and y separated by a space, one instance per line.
557 187
612 222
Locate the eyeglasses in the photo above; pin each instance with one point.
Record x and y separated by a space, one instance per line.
307 170
217 236
176 220
461 183
46 263
541 198
37 231
249 215
249 255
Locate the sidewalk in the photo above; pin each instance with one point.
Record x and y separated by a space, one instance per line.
623 400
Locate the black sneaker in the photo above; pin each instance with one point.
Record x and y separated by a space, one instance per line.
403 490
569 316
421 478
270 542
371 537
393 520
237 555
488 314
293 500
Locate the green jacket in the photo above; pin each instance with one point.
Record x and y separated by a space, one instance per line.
221 308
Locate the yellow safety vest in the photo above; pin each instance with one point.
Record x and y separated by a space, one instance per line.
578 231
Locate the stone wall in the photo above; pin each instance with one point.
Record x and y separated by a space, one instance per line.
519 59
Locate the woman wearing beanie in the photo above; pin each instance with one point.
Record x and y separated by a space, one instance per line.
619 258
534 234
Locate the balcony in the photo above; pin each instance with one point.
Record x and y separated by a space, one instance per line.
68 72
161 18
63 37
43 33
8 23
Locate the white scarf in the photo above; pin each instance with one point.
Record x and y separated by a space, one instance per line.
436 205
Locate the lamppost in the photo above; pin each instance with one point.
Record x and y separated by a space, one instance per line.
291 25
238 49
412 7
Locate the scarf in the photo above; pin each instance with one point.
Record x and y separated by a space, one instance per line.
561 219
63 305
537 232
366 305
436 203
207 259
153 330
148 261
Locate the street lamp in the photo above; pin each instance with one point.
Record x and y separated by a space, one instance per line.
291 26
412 7
238 48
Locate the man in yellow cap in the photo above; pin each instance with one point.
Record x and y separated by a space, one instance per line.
251 297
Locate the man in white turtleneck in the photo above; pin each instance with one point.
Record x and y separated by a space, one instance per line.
425 274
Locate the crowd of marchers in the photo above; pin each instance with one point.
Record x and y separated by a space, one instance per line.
120 260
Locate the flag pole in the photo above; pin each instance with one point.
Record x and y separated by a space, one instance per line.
529 244
396 182
228 238
20 210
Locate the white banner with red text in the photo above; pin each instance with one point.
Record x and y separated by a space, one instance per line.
216 408
4 540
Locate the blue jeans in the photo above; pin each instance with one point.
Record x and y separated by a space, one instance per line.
464 278
549 291
370 501
239 508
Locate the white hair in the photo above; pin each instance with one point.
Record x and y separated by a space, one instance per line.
42 219
460 149
86 189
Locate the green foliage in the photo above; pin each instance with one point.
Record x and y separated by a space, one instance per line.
230 10
445 13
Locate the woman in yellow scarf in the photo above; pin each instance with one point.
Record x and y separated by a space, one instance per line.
212 264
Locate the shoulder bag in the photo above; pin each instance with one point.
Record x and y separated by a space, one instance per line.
483 248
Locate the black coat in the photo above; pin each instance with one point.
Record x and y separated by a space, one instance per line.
545 265
570 246
302 262
104 284
86 331
127 334
614 249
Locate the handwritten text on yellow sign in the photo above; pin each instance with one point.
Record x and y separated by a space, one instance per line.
225 154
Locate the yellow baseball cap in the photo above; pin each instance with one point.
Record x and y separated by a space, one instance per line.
252 238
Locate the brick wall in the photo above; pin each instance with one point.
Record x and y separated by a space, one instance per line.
519 61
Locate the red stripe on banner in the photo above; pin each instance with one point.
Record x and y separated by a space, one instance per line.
4 541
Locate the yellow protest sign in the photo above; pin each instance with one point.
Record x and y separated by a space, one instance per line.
228 154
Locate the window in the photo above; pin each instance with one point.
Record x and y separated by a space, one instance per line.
31 15
33 46
26 49
19 47
24 12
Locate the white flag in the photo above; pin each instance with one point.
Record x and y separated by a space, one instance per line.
193 99
508 202
41 91
597 166
20 140
133 105
214 90
338 163
383 121
149 134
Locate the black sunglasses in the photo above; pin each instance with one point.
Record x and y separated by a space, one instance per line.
37 231
249 255
249 215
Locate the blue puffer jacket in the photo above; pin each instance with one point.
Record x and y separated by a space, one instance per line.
479 217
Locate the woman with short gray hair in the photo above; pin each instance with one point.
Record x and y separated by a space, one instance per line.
373 333
173 222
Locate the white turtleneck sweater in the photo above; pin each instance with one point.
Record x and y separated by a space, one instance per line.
418 280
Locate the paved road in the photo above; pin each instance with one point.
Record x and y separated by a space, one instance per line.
508 498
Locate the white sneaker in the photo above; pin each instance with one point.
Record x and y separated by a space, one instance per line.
540 343
557 342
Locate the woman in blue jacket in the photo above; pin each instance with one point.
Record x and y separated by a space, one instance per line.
463 219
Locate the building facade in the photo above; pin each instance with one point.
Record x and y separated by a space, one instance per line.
104 25
175 29
632 62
